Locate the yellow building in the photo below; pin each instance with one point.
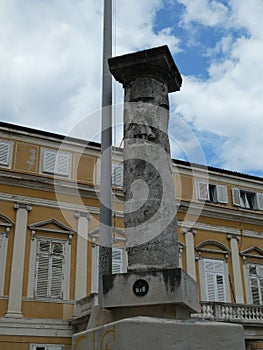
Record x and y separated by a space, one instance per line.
49 227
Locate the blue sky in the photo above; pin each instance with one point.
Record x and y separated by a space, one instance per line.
50 70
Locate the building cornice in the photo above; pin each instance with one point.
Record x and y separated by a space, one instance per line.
222 213
35 327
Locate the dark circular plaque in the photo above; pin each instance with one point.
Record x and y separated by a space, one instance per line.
140 288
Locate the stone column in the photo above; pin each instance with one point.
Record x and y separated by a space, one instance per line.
236 269
190 252
82 255
17 270
149 210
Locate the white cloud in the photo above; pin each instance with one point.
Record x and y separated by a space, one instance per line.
208 13
228 103
50 57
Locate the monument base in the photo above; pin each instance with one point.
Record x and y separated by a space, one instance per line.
150 333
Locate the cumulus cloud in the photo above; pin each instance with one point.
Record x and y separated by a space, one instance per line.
51 54
228 103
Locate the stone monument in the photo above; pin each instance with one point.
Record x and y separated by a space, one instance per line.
150 306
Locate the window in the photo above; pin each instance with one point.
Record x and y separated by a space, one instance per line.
214 280
49 273
256 283
5 153
46 347
118 264
117 173
212 192
117 260
56 162
247 199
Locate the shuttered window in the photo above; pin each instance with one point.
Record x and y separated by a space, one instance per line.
117 260
5 153
214 280
211 192
118 264
256 283
117 173
49 276
247 199
56 162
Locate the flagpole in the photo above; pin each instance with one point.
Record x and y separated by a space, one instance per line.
105 241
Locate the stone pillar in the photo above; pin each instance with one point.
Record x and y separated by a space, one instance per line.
17 271
149 210
236 269
82 255
190 252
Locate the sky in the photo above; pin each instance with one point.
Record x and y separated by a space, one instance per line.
51 63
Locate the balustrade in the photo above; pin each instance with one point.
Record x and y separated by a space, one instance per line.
230 312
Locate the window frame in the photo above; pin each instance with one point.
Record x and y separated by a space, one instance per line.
240 199
58 154
115 165
249 285
95 265
31 290
206 190
204 282
8 163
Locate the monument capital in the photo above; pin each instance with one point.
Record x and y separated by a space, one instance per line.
156 62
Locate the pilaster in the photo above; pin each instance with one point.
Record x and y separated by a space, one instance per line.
82 254
18 258
190 252
238 288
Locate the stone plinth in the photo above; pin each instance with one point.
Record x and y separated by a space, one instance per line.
169 288
150 333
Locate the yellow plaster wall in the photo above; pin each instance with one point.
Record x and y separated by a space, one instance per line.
23 343
3 307
84 168
26 157
38 309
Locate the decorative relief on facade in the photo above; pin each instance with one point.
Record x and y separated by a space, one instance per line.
31 159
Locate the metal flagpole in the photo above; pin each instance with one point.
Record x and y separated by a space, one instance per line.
105 241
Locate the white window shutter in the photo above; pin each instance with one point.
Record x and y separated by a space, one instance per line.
49 162
260 201
57 163
222 194
62 164
210 286
254 290
5 153
202 191
42 276
117 174
214 280
49 276
236 196
220 287
56 280
117 260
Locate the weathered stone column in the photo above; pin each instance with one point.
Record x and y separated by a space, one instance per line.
17 272
149 209
82 255
239 294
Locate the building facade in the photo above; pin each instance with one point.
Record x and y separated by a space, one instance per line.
49 231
